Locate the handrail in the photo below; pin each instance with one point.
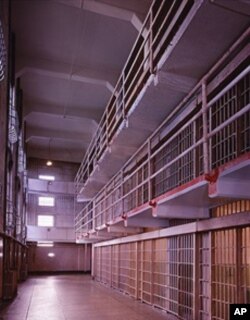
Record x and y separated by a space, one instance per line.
102 206
117 111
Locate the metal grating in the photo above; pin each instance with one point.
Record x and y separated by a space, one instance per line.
224 276
163 271
115 266
147 271
231 208
97 265
178 162
204 276
181 260
245 267
161 24
139 268
233 137
127 268
209 136
106 265
245 119
160 285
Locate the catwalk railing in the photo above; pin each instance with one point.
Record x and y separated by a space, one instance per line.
190 271
160 25
213 129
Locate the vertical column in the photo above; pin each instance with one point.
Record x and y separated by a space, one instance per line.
149 171
136 268
152 271
210 273
140 272
93 215
118 266
205 128
111 264
93 262
122 192
194 153
239 260
123 100
151 42
196 275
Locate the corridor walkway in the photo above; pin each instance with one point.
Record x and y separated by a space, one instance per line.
75 297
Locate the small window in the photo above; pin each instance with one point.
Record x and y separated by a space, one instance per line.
46 177
46 201
45 221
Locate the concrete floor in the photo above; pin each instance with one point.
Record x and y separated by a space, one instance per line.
75 297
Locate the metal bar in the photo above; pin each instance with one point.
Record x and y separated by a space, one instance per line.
218 128
229 121
140 34
205 128
237 220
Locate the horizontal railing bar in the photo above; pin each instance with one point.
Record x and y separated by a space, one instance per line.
146 38
109 199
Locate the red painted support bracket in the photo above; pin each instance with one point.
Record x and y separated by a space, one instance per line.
124 216
212 177
153 203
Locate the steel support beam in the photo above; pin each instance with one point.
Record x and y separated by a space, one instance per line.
179 212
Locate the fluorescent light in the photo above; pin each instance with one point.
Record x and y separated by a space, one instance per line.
45 177
45 244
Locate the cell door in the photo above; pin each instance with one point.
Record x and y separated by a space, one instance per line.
230 270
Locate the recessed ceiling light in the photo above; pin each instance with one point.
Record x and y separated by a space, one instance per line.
51 254
49 163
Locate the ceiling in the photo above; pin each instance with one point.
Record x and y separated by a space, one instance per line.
69 55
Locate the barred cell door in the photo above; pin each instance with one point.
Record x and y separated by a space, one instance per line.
146 278
204 272
181 276
115 266
230 270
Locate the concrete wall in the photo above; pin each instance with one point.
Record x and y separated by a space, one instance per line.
68 257
62 190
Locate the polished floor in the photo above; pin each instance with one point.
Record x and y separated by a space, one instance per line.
75 297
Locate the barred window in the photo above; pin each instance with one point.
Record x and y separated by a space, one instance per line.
46 201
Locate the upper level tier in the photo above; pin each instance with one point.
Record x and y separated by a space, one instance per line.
198 158
179 43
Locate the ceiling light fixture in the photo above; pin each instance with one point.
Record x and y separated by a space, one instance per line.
45 243
49 163
51 254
